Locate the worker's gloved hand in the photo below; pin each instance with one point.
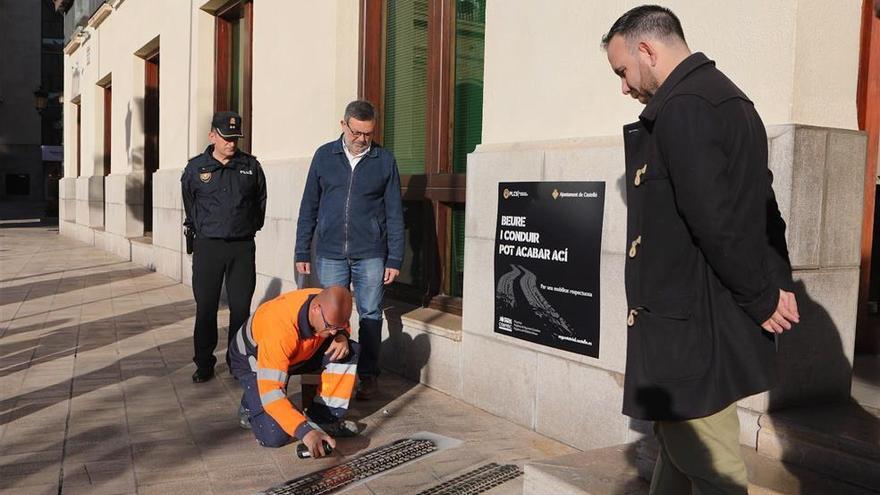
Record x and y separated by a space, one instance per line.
313 439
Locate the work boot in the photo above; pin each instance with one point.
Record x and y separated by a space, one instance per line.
330 424
244 418
340 428
368 387
202 375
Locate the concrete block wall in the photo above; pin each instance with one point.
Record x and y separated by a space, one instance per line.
285 180
553 392
124 211
423 345
819 174
817 180
95 195
115 203
168 248
66 200
142 253
106 212
82 201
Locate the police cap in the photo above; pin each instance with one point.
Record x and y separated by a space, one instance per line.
227 124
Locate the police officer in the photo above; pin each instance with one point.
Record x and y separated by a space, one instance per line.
224 197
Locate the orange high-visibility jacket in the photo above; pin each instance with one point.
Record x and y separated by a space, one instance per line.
283 337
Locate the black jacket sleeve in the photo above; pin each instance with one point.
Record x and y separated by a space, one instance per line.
189 207
723 203
394 219
778 262
260 214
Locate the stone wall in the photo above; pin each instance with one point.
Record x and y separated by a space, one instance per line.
818 174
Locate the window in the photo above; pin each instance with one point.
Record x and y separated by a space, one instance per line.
406 83
233 62
77 159
108 111
151 134
108 128
422 65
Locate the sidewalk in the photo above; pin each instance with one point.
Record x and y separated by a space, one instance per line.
96 395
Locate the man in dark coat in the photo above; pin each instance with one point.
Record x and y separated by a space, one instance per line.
708 279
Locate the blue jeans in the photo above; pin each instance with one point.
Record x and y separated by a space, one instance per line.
366 275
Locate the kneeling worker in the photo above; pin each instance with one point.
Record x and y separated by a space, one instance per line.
298 332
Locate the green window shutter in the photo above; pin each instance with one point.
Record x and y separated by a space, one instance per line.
470 36
406 83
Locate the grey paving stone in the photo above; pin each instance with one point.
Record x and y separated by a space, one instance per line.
46 489
101 359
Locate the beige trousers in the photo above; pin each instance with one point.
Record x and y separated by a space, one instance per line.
700 456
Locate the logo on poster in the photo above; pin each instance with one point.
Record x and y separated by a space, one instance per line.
507 193
505 324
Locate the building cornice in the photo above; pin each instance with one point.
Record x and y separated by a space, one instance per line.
98 17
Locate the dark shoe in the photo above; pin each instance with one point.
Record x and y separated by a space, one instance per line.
202 375
340 428
368 387
244 418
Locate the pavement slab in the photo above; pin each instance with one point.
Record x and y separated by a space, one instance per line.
96 395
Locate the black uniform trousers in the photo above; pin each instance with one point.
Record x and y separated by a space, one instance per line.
214 259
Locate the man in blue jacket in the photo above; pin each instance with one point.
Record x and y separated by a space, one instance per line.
352 199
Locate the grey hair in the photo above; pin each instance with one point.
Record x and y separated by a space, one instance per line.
361 110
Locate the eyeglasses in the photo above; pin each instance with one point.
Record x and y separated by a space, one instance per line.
359 134
328 326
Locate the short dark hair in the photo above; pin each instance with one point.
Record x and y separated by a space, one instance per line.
645 19
360 110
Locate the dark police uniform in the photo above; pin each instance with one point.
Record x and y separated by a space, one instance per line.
225 206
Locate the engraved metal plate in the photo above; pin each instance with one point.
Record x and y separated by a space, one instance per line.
369 464
479 480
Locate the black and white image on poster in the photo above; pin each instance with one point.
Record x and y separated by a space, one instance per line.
548 239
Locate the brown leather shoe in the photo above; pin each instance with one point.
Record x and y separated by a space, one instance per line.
368 387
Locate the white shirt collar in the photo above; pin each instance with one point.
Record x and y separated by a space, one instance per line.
349 154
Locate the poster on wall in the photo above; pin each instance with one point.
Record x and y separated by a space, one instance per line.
548 239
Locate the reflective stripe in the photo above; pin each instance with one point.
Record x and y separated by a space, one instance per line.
272 396
253 362
337 385
332 402
270 374
239 342
341 368
249 332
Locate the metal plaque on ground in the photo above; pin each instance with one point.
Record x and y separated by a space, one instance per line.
479 480
364 467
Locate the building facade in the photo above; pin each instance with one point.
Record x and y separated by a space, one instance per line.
470 93
30 134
